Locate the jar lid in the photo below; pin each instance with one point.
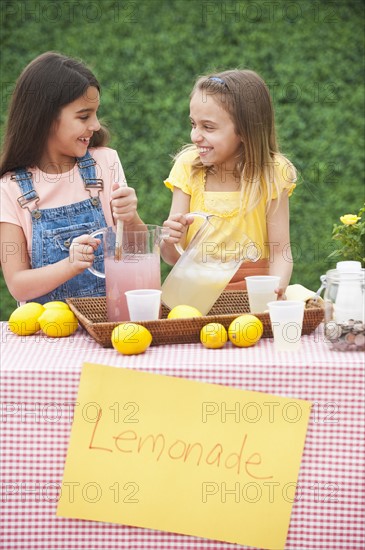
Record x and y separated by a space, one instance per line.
349 267
336 275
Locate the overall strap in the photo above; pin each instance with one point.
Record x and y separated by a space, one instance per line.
86 166
25 181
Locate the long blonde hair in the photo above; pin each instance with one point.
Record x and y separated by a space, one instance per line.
246 98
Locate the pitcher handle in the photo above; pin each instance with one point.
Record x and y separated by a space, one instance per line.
178 246
92 269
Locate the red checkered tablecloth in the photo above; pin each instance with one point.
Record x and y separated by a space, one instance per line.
40 378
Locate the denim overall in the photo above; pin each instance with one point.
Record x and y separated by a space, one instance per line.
53 230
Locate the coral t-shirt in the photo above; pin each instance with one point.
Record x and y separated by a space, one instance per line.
56 190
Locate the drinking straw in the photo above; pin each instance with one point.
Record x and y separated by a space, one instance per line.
119 241
119 234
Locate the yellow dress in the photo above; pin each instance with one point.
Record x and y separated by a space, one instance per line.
227 205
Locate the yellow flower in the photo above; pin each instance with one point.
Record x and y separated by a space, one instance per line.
350 219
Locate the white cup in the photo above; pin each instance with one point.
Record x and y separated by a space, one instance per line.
143 304
261 290
286 318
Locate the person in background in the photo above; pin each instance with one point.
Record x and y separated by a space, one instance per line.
234 169
59 183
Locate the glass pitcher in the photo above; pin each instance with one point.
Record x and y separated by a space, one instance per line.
344 313
207 265
139 266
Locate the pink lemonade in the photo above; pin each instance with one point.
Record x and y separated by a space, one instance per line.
131 273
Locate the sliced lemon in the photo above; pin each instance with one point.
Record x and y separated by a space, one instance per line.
183 312
245 331
58 322
24 320
213 336
131 338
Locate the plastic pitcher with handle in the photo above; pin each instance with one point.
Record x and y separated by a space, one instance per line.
207 265
139 266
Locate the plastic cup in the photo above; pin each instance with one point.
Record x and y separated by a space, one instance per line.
261 290
143 304
286 318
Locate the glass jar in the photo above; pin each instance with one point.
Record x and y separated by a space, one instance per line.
344 309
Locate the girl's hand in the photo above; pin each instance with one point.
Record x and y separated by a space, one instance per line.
281 293
81 254
178 225
123 203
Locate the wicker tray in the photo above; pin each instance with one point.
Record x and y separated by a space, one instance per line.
91 313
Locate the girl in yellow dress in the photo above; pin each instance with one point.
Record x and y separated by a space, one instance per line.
234 169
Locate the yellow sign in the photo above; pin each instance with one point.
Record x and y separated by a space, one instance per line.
182 456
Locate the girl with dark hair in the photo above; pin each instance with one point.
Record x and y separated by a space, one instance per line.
234 169
59 183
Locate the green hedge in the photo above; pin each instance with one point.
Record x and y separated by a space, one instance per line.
147 55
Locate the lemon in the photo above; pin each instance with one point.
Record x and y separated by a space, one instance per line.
213 335
24 320
131 338
245 331
58 322
183 312
56 304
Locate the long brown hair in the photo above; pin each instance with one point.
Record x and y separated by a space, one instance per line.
47 84
246 98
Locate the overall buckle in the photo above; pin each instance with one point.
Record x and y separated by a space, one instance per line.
91 183
28 197
97 184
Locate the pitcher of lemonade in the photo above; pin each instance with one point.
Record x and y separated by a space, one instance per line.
207 265
138 266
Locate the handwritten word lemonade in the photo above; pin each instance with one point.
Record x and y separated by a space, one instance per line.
198 285
133 272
